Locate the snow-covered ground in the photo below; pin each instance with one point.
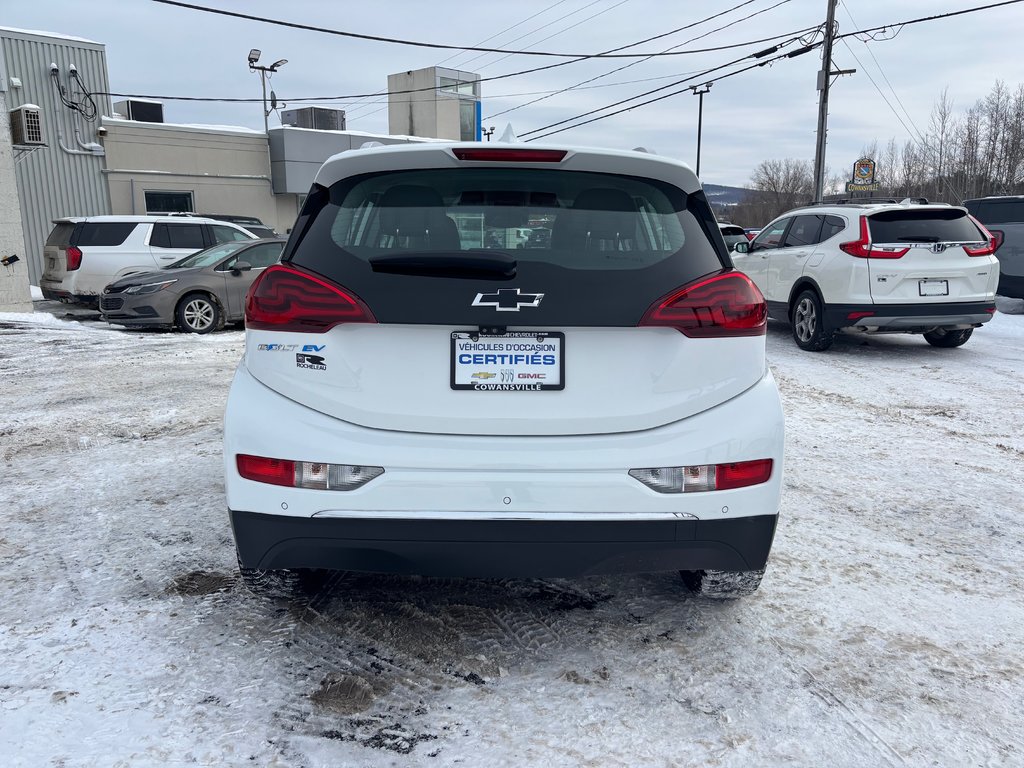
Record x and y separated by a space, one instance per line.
888 631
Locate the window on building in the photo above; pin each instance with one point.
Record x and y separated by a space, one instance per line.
467 120
169 202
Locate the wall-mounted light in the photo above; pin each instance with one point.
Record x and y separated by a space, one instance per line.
9 260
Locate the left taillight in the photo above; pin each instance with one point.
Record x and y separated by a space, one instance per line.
284 298
74 257
723 305
313 475
862 248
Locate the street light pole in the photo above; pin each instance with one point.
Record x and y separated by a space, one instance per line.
699 91
254 56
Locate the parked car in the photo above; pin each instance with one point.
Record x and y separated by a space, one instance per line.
751 233
198 294
250 223
1004 218
732 235
875 267
601 404
83 254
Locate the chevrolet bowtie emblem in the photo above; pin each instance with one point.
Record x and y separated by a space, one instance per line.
507 300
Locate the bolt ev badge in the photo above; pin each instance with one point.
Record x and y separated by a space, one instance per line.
507 300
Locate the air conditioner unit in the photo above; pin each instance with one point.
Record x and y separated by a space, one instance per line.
141 110
27 125
319 118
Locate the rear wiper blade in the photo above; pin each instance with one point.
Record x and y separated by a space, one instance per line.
468 264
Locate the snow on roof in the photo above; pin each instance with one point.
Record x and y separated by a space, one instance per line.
108 120
361 133
54 35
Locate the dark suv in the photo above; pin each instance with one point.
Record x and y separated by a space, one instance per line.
1004 218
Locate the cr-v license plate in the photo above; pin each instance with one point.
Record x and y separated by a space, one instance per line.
517 361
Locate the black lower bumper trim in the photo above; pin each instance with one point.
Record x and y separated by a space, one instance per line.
850 315
501 547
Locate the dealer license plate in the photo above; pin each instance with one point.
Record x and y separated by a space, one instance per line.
517 361
933 287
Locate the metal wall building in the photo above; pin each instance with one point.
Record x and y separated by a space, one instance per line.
63 177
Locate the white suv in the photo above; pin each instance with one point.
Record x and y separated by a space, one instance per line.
597 401
83 254
875 267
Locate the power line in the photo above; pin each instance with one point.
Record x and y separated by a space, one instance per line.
664 87
428 88
634 63
731 74
923 19
556 34
420 44
694 80
457 55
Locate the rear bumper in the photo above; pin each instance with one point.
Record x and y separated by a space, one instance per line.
475 547
56 294
908 317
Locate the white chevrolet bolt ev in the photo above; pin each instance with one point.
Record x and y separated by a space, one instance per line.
417 397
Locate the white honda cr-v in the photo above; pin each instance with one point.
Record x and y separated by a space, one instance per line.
423 392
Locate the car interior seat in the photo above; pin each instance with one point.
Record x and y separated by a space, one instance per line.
413 217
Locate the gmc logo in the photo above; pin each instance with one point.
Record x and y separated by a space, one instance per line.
532 376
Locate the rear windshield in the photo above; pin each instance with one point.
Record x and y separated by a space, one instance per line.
923 226
574 220
60 235
732 232
997 211
565 230
100 234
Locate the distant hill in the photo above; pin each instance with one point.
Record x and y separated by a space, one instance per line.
721 195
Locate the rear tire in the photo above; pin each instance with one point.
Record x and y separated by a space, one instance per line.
722 585
941 337
199 313
808 322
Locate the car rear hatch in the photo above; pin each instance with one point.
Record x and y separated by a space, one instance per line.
927 255
55 259
398 307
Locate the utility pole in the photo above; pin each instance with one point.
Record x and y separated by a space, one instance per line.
700 90
824 81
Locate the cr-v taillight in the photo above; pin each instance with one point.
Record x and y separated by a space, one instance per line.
861 248
991 244
74 257
284 298
726 304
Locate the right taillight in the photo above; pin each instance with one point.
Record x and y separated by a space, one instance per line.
861 248
705 477
726 304
284 298
74 257
991 244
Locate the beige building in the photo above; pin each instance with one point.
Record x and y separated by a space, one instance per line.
163 167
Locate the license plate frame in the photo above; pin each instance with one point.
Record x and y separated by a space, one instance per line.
932 287
534 374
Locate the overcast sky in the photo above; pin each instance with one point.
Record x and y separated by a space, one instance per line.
770 112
